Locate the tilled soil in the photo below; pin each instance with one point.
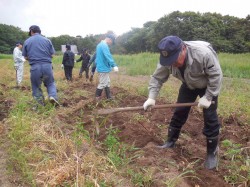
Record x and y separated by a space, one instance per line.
145 131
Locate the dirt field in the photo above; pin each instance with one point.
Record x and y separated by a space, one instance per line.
147 130
151 130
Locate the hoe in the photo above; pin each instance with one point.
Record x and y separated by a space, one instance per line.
125 109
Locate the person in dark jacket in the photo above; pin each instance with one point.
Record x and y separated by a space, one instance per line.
85 57
196 64
93 67
68 62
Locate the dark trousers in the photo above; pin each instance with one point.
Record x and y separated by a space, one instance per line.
42 73
93 70
186 95
68 72
86 69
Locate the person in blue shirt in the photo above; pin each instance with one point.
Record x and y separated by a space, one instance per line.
38 50
104 64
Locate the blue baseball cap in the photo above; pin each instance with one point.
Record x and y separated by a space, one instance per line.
170 48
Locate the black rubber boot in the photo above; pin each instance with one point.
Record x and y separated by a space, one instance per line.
108 94
91 78
173 135
98 94
211 161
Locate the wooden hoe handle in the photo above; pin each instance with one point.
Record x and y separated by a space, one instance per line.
115 110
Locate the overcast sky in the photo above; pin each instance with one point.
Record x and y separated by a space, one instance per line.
84 17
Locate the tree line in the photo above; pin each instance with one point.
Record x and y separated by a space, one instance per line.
226 33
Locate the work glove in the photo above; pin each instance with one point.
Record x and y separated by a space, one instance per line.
62 66
204 103
149 102
116 69
16 67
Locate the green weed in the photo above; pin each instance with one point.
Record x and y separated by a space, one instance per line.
142 178
116 151
173 182
239 167
80 133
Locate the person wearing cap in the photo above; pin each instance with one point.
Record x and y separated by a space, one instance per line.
38 50
196 65
19 61
85 57
104 64
68 62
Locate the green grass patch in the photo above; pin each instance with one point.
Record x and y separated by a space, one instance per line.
5 56
21 136
234 99
115 150
233 65
138 64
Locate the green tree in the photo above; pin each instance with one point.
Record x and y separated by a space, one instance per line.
225 33
9 35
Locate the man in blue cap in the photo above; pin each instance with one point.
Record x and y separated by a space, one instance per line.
39 51
19 61
196 65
